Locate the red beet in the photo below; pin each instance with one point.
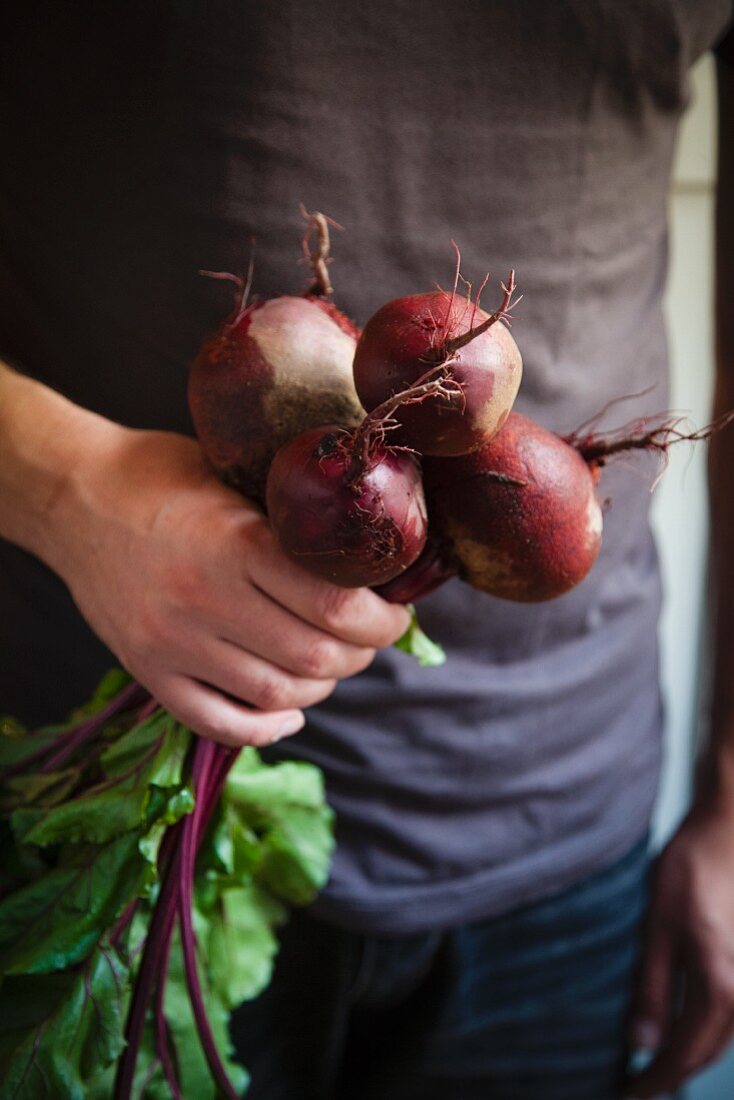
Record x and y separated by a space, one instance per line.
274 369
408 336
520 515
278 368
519 518
347 507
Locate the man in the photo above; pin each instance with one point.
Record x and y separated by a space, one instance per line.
479 934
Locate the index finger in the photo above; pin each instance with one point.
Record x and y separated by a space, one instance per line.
355 615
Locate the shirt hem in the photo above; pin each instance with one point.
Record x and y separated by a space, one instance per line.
408 911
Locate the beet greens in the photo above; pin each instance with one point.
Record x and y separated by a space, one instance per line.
143 872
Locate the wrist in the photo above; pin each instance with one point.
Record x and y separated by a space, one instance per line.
68 532
46 442
118 485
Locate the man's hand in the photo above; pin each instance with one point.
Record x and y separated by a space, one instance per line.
177 574
685 1000
183 581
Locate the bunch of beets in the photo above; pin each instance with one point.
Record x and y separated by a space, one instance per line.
438 478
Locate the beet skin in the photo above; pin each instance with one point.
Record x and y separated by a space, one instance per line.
278 368
520 517
406 337
349 517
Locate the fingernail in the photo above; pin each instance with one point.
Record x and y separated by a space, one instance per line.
291 725
646 1035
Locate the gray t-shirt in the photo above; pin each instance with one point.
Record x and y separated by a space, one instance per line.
142 142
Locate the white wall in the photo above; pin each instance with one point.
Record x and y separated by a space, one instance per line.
680 514
679 511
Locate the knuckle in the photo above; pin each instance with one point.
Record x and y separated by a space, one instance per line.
256 536
321 658
146 634
185 584
337 608
270 693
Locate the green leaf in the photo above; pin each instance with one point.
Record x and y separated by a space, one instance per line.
18 864
62 1030
219 846
163 811
168 766
285 803
56 920
111 684
297 855
149 1082
100 815
241 945
247 851
427 653
151 754
11 727
16 745
48 788
127 749
267 791
232 848
137 932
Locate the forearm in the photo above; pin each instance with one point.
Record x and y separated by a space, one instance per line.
43 437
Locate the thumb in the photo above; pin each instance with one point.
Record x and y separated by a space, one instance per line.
655 986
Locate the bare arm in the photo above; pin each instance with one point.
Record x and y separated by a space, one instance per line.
42 438
685 1005
178 575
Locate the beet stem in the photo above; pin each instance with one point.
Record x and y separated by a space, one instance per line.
502 314
225 276
319 257
66 744
204 759
160 1022
210 767
223 761
436 382
149 708
455 286
156 945
123 924
643 435
244 286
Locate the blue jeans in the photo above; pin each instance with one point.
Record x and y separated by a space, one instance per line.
531 1005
